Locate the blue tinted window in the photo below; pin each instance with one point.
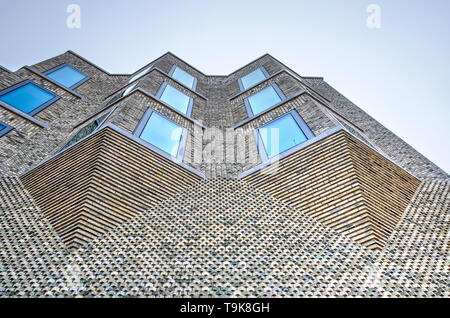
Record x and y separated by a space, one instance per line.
253 78
183 77
2 127
281 135
263 100
162 133
27 98
67 76
176 99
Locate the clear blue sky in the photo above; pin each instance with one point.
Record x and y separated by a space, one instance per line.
399 73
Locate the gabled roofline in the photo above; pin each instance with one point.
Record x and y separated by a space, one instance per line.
147 94
94 65
183 61
45 77
152 69
5 69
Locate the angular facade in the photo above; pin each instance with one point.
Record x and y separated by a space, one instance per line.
169 182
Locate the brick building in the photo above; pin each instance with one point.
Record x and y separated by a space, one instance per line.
169 182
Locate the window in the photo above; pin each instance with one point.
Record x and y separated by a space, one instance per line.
161 133
86 131
282 134
67 76
178 100
120 95
183 77
28 97
253 78
264 99
140 74
4 129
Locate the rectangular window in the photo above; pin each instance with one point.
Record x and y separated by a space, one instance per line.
140 74
264 99
282 134
160 132
183 77
28 97
178 100
4 129
253 78
67 76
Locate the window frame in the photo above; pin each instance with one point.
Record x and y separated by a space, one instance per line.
5 130
37 109
143 123
172 70
260 144
277 89
241 85
161 91
77 84
144 70
99 125
130 89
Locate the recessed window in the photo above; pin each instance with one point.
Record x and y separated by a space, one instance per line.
4 129
183 77
253 78
283 134
67 76
264 99
28 97
355 132
85 131
140 74
178 100
162 133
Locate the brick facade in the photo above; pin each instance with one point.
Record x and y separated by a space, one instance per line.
349 214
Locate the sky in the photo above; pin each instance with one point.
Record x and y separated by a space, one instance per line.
398 71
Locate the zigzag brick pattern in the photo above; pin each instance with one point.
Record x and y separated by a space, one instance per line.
100 182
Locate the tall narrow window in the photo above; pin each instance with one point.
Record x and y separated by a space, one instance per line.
4 129
67 76
175 98
28 97
283 133
161 133
253 78
264 99
183 77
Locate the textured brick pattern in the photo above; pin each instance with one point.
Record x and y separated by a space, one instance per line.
115 179
32 256
415 261
225 238
138 235
344 184
398 150
28 144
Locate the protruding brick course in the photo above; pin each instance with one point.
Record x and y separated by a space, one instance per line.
147 224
